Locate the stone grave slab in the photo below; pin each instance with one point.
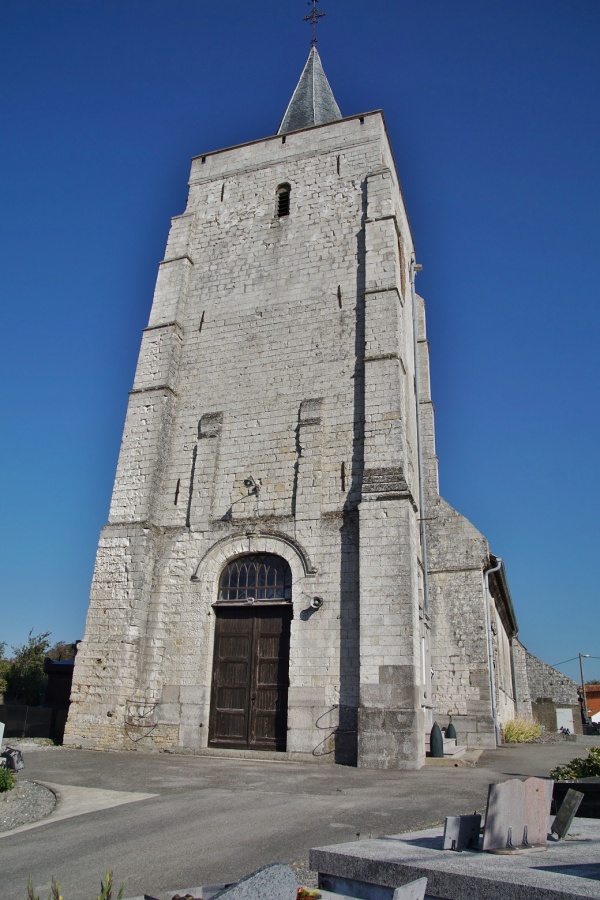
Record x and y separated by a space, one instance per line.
342 888
538 801
414 890
566 813
462 832
517 815
272 882
569 870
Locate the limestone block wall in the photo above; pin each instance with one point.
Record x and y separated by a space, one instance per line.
253 365
108 659
544 681
457 555
503 668
391 713
523 693
542 689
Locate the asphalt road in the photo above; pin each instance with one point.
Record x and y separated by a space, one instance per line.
217 819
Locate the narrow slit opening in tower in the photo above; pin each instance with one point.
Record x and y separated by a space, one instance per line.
283 201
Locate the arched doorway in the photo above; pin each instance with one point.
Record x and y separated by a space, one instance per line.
251 654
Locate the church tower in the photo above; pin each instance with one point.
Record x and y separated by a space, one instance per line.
259 585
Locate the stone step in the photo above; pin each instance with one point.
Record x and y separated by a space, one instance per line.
451 747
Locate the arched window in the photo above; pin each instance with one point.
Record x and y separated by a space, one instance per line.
283 200
256 577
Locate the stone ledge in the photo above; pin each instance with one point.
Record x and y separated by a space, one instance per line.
469 759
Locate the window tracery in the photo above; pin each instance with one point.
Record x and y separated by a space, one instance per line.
256 577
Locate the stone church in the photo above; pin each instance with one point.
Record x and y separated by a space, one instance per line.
279 573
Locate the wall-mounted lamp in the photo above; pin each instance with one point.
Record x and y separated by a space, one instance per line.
251 485
316 603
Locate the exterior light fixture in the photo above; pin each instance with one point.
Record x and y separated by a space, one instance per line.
251 485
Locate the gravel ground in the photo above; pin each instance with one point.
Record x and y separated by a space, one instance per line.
305 877
27 802
549 737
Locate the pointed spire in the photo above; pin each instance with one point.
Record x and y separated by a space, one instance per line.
312 102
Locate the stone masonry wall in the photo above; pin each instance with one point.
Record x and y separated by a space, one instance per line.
542 689
544 681
253 365
391 714
523 698
457 556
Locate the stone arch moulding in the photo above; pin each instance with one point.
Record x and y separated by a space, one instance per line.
209 568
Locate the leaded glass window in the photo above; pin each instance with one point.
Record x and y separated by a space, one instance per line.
257 576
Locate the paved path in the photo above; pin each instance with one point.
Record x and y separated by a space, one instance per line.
206 819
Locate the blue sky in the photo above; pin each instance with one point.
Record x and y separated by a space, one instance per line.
492 110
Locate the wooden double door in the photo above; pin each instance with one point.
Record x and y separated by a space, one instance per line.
250 677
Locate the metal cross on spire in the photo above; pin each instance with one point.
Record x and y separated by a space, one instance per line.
313 18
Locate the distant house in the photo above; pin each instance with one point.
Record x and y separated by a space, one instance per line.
592 696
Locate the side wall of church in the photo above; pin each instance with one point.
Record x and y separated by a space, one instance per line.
459 651
523 698
541 690
253 366
503 667
457 555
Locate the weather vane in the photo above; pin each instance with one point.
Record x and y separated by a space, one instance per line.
313 18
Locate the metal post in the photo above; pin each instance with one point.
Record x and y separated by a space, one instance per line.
585 709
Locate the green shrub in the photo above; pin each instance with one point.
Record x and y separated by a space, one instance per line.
578 767
520 731
7 780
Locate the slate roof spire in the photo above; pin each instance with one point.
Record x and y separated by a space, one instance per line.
312 102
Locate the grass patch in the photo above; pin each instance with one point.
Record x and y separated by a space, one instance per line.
521 731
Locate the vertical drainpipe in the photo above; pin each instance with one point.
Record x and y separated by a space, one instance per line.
488 625
414 268
513 674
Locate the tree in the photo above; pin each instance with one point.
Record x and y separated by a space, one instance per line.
62 651
4 669
26 681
